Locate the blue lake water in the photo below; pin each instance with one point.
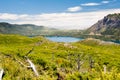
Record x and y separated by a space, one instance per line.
116 41
64 39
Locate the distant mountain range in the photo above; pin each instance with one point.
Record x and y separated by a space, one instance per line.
109 26
33 30
24 29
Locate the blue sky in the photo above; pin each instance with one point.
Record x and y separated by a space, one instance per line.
52 6
68 14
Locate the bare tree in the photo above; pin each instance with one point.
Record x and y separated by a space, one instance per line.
79 61
29 51
91 62
105 68
1 73
31 64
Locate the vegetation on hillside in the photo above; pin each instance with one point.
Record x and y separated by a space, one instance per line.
89 59
34 30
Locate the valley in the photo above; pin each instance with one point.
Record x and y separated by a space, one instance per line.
30 52
84 59
59 39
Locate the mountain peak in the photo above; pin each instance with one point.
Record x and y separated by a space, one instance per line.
112 20
109 25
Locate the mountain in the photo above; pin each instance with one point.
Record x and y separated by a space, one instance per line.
24 29
106 28
109 25
33 30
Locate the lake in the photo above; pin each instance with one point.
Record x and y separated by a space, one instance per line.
64 39
116 41
71 39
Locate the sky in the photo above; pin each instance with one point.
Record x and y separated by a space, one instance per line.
62 14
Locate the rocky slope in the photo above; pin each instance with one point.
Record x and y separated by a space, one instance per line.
109 25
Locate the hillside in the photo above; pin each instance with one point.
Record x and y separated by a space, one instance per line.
108 26
24 29
83 60
34 30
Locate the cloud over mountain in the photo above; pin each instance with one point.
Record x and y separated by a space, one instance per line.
80 20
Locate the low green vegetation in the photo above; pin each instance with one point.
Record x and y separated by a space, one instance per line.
84 60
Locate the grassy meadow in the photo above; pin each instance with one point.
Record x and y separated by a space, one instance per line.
89 59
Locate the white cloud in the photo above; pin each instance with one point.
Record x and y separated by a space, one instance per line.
79 20
74 9
8 16
95 4
90 4
105 2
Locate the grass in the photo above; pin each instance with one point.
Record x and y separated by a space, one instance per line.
58 60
